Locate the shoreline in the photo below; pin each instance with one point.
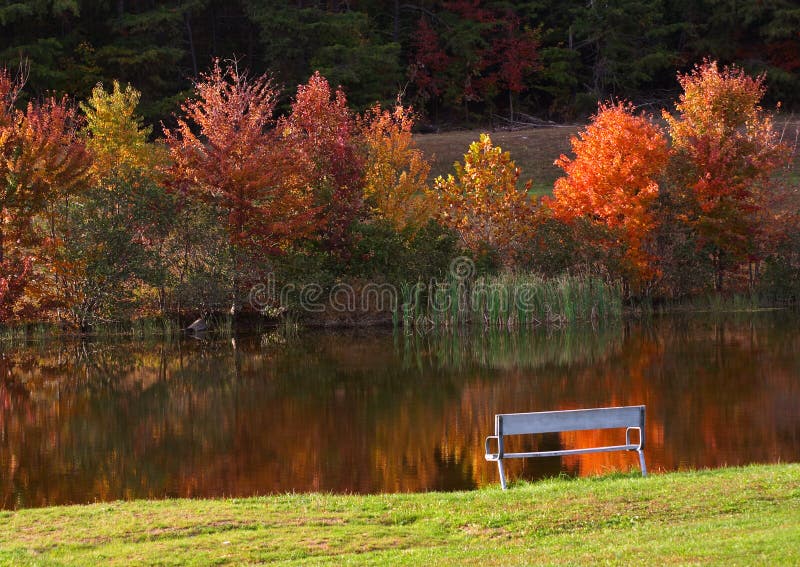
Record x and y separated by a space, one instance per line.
147 328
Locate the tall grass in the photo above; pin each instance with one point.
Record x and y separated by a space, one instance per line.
21 334
146 328
138 329
508 301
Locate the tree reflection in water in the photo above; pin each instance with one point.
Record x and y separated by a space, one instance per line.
382 412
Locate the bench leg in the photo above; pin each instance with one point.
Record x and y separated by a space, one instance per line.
641 463
502 473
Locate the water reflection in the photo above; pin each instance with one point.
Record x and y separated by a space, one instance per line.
370 412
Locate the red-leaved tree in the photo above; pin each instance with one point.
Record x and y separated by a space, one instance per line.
726 153
429 63
320 135
233 162
512 56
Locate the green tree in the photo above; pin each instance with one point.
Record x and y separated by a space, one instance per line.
343 45
624 43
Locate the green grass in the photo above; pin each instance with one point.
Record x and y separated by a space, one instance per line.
22 334
136 329
729 516
514 349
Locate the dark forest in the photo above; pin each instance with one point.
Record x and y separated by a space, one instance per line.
456 61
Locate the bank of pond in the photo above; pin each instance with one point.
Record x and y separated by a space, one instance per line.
727 516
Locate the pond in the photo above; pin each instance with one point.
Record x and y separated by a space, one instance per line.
377 411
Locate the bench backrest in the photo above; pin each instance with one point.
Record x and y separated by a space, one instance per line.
569 420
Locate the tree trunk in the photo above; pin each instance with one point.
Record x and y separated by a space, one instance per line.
251 50
213 31
190 35
2 252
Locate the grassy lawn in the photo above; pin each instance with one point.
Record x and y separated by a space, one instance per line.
740 516
533 150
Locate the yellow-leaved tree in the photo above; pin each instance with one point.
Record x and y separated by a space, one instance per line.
483 202
117 137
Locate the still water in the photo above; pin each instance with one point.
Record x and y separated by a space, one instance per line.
382 412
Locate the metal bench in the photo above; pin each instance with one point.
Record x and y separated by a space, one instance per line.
505 424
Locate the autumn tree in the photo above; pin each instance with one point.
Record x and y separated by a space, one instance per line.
519 58
320 135
116 135
512 57
482 50
396 171
483 202
429 62
726 153
42 161
233 163
614 179
13 280
113 233
42 158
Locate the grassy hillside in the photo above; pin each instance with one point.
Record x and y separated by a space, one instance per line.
534 150
735 516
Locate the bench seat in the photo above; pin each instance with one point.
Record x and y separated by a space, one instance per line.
494 456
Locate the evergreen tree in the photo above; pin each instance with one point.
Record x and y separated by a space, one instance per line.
343 45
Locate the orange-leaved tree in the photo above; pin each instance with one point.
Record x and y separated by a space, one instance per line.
726 153
613 179
483 202
13 280
42 161
320 133
396 171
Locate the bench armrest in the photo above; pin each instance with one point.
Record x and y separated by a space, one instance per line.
488 451
628 437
